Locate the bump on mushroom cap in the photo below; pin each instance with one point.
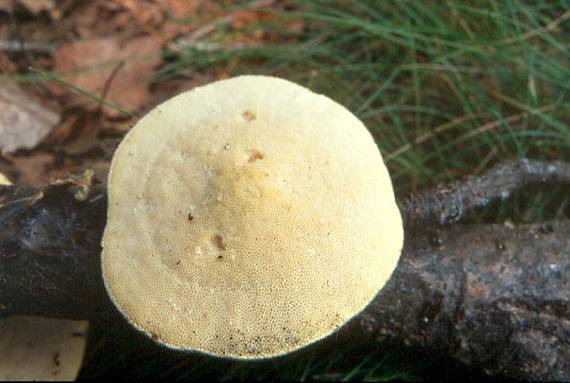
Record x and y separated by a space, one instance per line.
248 218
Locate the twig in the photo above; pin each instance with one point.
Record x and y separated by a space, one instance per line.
107 86
448 203
192 38
425 136
510 119
24 46
29 200
551 26
446 68
477 131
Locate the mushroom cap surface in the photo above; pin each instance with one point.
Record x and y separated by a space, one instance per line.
248 218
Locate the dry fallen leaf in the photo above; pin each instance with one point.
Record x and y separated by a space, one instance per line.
86 131
89 64
7 66
36 6
146 14
63 131
180 8
84 16
34 348
6 5
180 17
24 122
32 170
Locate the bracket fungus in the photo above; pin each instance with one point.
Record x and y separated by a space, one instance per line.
248 218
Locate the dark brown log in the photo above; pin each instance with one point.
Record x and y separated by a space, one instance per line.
493 297
49 252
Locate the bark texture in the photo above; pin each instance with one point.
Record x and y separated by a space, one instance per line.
49 252
447 203
493 297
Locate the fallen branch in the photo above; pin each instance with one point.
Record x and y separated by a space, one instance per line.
492 297
193 39
25 46
448 203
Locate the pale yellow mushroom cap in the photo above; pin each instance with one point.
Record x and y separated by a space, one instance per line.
248 218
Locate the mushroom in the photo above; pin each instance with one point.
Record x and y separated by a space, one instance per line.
247 219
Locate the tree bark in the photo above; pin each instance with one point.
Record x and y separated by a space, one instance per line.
447 203
493 297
